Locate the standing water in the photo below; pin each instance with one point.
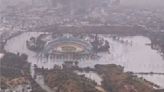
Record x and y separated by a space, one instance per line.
133 53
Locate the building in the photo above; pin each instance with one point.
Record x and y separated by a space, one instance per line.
67 47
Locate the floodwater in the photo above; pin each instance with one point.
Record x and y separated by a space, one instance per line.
133 53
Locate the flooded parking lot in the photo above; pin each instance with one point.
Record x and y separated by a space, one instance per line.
132 52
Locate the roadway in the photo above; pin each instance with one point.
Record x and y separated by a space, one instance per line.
103 29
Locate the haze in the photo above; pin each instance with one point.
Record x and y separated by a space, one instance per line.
143 3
